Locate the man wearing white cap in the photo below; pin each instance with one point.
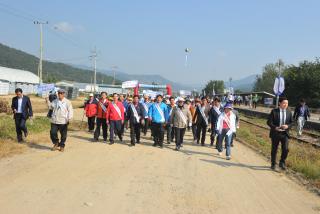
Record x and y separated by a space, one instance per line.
180 119
62 113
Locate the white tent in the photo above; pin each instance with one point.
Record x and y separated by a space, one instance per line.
18 76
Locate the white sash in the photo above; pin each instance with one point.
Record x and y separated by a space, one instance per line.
182 116
227 120
117 109
203 114
146 109
135 113
61 105
160 112
217 110
171 110
103 107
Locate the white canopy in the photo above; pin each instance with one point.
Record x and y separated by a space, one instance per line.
17 75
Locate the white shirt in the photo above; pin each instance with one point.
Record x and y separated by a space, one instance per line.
19 110
282 116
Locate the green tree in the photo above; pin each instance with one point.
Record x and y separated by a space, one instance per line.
217 85
303 81
265 81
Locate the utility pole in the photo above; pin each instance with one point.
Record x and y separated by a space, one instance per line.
230 80
113 68
94 58
279 75
41 49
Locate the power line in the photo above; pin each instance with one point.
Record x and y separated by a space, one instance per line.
27 15
53 29
67 39
30 18
10 12
68 59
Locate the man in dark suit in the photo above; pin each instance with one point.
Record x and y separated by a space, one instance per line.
280 121
22 110
214 114
202 120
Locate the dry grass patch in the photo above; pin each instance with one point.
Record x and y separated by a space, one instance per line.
303 158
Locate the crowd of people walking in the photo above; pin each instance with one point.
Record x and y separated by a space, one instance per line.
110 116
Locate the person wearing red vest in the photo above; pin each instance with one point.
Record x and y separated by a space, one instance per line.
115 117
101 118
90 109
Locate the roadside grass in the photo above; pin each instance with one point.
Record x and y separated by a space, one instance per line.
38 137
303 158
8 144
7 126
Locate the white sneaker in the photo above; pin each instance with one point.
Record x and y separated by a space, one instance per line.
228 157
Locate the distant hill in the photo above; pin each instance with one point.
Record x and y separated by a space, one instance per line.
245 84
143 78
52 71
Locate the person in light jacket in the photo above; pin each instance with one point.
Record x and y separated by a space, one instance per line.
62 113
158 116
226 126
180 119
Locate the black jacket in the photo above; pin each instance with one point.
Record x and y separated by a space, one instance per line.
297 112
25 106
199 116
213 115
274 121
130 114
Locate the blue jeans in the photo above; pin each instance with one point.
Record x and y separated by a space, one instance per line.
115 128
227 139
170 133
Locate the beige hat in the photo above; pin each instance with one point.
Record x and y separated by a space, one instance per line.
180 99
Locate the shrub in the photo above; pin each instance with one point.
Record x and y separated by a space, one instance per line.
4 107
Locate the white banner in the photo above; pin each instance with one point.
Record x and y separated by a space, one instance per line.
278 87
184 93
130 84
151 93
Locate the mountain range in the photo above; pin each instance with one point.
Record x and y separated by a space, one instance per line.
55 71
52 71
145 78
245 84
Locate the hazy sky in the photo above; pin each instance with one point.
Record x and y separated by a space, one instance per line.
226 38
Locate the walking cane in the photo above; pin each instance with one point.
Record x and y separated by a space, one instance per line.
81 122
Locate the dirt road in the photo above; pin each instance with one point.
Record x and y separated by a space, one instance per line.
99 178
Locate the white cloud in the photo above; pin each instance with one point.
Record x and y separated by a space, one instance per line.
67 27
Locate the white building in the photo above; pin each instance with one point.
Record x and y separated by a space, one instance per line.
15 78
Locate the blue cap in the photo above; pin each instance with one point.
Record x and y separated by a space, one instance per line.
228 105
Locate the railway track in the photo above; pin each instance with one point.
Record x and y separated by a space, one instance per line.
308 138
